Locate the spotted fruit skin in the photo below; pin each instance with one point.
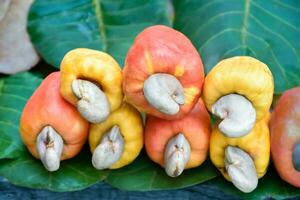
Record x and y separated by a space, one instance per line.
160 49
285 133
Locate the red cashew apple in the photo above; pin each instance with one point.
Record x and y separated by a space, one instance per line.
285 136
163 73
51 128
179 144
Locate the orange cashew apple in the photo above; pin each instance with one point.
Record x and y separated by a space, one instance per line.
285 136
118 140
50 127
92 81
179 144
163 73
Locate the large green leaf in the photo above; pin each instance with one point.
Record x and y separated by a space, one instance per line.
143 175
20 168
267 30
270 186
57 26
74 174
14 92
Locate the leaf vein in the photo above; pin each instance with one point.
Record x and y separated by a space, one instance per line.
278 35
245 22
276 17
100 19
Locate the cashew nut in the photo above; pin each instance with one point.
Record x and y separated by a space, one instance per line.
4 6
177 154
237 113
49 145
109 150
295 156
93 104
164 92
241 169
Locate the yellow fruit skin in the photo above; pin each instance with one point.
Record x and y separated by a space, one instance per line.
95 66
242 75
256 144
130 123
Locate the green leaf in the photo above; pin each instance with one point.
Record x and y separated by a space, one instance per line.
74 174
270 186
20 168
144 175
267 30
14 92
57 26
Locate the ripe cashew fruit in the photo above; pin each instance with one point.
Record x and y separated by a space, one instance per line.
50 127
285 136
118 140
228 153
92 81
163 73
179 144
239 90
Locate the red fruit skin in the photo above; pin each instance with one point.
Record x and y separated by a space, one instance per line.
47 107
285 133
195 126
160 49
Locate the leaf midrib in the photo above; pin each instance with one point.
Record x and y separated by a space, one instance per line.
245 22
100 19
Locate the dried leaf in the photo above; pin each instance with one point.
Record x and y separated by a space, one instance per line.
16 50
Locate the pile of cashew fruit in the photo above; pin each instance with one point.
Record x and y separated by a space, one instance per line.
92 99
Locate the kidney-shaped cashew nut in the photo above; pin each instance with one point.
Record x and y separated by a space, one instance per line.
49 146
241 169
296 157
110 149
177 155
238 115
4 6
164 92
93 104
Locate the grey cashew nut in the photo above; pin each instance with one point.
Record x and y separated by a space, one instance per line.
238 115
164 92
241 169
295 156
177 154
110 149
49 145
4 7
93 104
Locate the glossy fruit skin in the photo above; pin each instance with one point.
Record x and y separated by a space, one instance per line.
241 75
131 127
47 107
285 133
256 143
195 126
160 49
95 66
